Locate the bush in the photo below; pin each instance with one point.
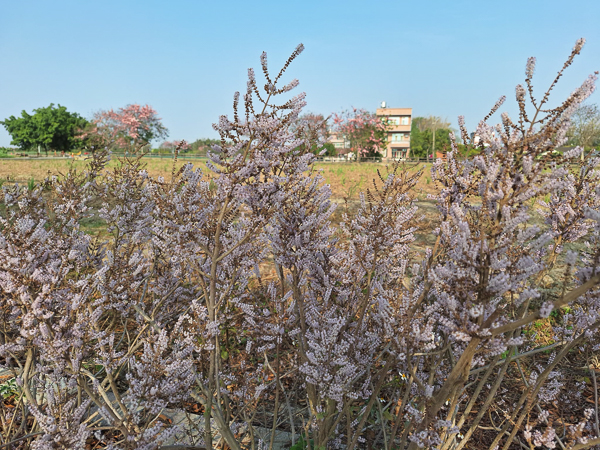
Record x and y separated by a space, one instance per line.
233 293
328 148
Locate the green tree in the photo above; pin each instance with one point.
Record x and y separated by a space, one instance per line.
585 127
202 145
329 148
313 129
418 143
49 128
422 132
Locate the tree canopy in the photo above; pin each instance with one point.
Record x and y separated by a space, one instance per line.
585 126
421 135
202 145
128 128
49 128
364 130
314 129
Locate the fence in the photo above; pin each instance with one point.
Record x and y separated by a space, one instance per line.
198 157
341 159
36 156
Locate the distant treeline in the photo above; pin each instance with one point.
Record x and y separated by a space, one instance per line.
202 145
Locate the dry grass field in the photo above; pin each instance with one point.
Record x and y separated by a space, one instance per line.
347 180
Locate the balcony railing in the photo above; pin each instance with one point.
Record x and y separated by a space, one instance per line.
392 128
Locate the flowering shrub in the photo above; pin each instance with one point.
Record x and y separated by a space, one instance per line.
235 292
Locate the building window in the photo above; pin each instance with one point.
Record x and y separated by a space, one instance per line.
398 153
393 121
400 137
405 121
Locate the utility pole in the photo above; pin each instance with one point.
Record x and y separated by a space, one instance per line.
434 152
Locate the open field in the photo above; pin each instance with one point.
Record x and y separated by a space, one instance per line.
347 180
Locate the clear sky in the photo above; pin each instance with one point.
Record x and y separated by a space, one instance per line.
187 58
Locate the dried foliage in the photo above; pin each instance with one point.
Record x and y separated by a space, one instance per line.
232 295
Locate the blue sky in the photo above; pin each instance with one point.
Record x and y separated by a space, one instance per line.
187 58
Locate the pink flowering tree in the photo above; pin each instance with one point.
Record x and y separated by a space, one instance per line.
129 128
364 130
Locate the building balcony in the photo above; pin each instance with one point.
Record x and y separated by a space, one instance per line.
397 128
402 144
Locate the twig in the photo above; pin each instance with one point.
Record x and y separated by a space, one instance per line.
593 372
520 355
538 407
564 300
21 438
287 402
589 444
385 444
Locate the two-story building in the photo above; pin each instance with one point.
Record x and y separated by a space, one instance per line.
399 122
338 141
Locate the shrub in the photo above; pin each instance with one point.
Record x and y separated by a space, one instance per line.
383 345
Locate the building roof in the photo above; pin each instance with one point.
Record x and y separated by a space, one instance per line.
394 112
